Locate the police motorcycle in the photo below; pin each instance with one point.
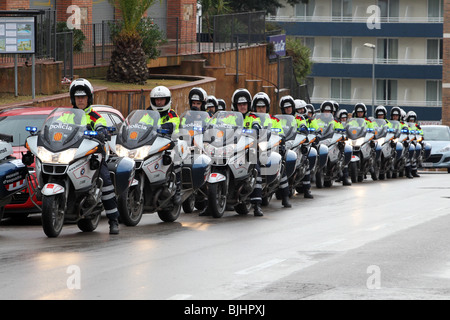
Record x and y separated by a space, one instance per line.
361 139
13 173
380 131
232 150
339 152
386 135
404 150
299 140
270 159
196 166
142 139
422 150
68 160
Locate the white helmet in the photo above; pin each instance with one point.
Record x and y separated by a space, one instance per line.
81 87
300 104
211 101
197 94
285 102
409 115
261 99
241 96
381 110
160 92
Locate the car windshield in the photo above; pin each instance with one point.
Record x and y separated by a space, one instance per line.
436 133
15 126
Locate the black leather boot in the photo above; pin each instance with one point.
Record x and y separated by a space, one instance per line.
285 202
257 211
408 172
307 194
113 226
415 174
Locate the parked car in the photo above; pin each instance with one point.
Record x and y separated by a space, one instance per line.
438 136
14 121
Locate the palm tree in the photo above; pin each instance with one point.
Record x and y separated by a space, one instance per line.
128 60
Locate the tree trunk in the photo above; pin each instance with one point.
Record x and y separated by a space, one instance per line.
128 61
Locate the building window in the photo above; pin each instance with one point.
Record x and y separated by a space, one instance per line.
341 10
341 48
435 10
387 50
341 89
305 9
386 92
434 51
434 92
308 42
389 9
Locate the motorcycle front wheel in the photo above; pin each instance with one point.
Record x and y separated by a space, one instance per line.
53 215
217 199
131 206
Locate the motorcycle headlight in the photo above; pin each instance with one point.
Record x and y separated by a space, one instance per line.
63 157
357 143
214 152
137 154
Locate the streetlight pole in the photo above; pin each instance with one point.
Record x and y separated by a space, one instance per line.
372 46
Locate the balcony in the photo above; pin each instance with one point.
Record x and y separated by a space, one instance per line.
356 19
424 61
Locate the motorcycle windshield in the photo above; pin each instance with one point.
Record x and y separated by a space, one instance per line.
394 127
325 123
380 127
194 120
412 129
289 125
266 126
139 128
63 128
225 127
356 128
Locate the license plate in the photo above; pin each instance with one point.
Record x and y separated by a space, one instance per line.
427 164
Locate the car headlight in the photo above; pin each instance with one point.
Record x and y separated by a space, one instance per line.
63 157
137 154
445 149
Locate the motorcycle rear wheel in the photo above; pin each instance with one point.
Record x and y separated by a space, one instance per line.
53 215
89 224
189 204
171 214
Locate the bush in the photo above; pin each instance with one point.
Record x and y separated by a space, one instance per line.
78 36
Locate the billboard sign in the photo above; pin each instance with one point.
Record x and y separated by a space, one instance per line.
279 44
18 34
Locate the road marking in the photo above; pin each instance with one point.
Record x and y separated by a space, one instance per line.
261 266
180 297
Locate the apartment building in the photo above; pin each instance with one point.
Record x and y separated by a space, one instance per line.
379 52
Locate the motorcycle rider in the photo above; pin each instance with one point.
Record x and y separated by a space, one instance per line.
411 117
302 118
310 110
328 107
211 105
222 105
261 104
360 111
161 101
197 99
395 114
82 97
241 101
